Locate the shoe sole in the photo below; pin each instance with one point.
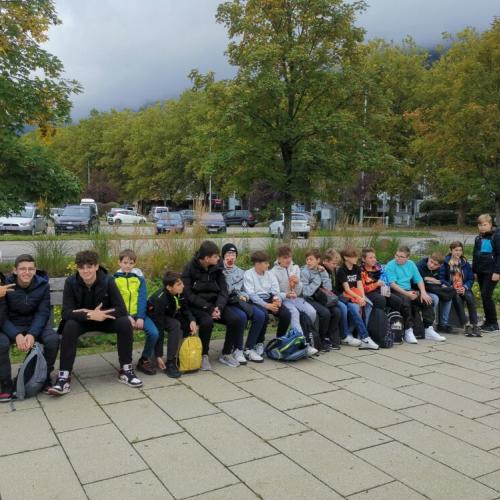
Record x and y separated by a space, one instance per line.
134 386
228 364
52 392
256 360
363 348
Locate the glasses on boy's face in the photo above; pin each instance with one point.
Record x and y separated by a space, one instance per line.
402 257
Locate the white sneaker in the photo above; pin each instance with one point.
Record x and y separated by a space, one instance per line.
350 340
259 348
409 337
205 363
238 356
367 343
431 334
311 351
228 360
252 355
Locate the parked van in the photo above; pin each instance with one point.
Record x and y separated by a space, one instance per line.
90 201
155 212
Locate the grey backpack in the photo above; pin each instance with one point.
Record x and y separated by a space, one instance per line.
32 373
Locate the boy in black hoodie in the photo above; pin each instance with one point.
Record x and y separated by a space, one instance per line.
92 302
168 309
486 268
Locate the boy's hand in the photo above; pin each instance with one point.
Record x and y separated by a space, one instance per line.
321 268
425 297
216 313
273 307
293 281
139 324
412 294
243 298
6 289
99 314
495 277
193 327
291 295
132 321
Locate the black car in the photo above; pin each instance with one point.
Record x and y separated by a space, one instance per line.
169 222
188 216
242 218
77 218
213 222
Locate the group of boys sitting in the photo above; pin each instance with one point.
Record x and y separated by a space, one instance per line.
333 292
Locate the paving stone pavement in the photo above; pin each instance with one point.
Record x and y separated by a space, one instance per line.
411 422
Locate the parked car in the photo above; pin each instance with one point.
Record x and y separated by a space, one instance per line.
189 216
77 218
242 218
54 213
155 211
170 222
90 201
28 221
213 222
126 217
300 225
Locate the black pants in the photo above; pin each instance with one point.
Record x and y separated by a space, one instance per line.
395 302
487 286
329 322
48 338
73 329
284 317
410 308
176 328
459 302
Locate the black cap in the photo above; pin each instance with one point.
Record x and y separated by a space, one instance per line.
228 247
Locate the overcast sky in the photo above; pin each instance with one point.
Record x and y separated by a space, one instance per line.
128 53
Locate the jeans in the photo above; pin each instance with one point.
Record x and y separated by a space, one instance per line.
354 312
467 298
444 315
487 286
152 335
258 327
344 323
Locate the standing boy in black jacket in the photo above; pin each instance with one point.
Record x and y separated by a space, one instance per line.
92 302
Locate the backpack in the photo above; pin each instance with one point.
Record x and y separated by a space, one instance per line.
190 354
310 331
396 325
379 328
32 373
290 347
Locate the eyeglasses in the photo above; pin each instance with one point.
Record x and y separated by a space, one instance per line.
401 256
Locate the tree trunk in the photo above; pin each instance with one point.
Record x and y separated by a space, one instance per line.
497 208
461 213
287 156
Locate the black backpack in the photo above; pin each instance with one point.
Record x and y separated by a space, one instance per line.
396 325
310 331
379 328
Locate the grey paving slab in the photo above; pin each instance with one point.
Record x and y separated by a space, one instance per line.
301 381
466 429
494 404
484 379
490 420
323 371
379 375
184 466
27 404
425 475
158 380
393 365
492 480
98 453
215 432
391 491
268 364
470 352
448 400
107 389
276 394
337 358
278 477
463 361
181 402
242 374
93 365
362 409
380 394
41 474
141 419
136 485
463 457
261 418
25 430
75 412
342 471
235 492
460 387
327 422
411 358
214 388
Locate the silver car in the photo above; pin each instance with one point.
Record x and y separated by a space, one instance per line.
28 221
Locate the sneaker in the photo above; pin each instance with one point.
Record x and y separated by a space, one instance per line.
445 328
6 391
228 360
252 355
259 348
311 351
409 337
145 365
335 347
431 334
61 385
350 340
171 369
367 343
489 328
476 332
47 386
324 346
127 376
468 331
205 363
239 357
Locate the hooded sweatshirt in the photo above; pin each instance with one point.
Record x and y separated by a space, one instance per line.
260 287
486 255
133 289
283 274
234 280
312 280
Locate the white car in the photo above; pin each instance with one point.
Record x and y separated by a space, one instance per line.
300 225
126 217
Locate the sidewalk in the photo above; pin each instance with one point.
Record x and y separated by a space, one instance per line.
412 422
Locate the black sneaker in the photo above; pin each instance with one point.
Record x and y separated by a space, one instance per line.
476 331
6 391
171 370
468 331
444 329
127 376
60 387
324 346
145 365
489 328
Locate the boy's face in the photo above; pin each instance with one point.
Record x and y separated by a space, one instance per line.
328 264
401 258
285 261
177 288
127 264
88 273
312 262
261 267
457 252
351 260
484 227
230 259
370 259
25 272
210 260
433 264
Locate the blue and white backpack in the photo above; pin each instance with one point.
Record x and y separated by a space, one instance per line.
290 347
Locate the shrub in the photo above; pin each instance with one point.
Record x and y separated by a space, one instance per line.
51 255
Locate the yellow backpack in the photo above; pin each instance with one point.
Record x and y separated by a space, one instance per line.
190 354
